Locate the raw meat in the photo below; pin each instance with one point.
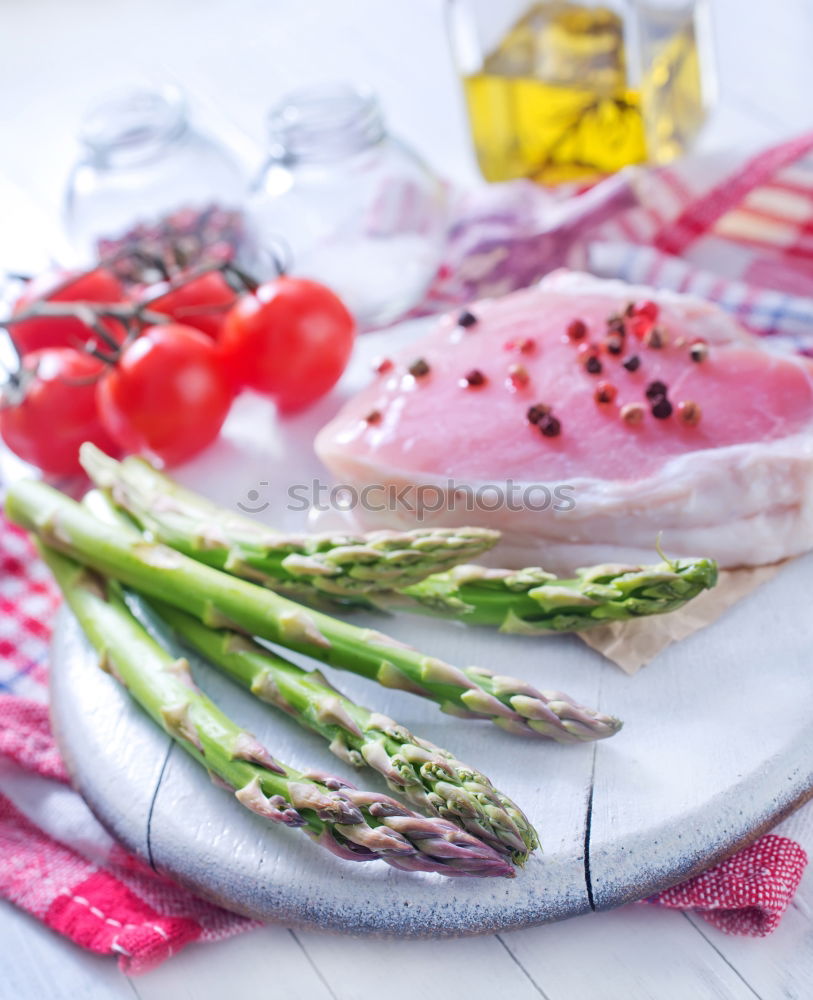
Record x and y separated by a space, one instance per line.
736 487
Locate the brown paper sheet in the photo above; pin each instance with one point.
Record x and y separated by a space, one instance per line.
631 645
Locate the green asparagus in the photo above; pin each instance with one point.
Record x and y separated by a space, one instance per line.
532 602
334 565
526 602
223 601
426 775
351 823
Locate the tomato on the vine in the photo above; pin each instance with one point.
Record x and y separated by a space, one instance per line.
167 395
201 302
99 286
56 410
291 339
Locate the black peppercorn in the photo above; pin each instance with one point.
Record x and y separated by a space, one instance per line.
656 390
466 319
474 378
614 343
662 408
632 364
549 426
537 412
593 365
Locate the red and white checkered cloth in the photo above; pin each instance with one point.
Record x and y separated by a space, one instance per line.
743 239
56 862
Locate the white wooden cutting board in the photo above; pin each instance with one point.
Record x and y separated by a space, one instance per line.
716 746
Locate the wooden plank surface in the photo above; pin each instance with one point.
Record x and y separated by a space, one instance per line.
269 962
679 963
36 964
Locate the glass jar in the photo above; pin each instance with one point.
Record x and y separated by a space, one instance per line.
357 209
148 179
566 90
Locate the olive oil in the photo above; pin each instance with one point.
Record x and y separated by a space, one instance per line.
555 100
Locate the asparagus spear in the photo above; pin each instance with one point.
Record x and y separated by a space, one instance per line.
526 602
428 776
220 600
532 602
340 566
351 823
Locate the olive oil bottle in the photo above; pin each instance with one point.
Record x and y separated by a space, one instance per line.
566 91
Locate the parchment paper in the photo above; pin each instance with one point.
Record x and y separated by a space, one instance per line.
631 645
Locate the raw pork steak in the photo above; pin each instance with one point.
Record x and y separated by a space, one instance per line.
655 413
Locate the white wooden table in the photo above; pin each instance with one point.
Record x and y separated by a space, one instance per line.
235 58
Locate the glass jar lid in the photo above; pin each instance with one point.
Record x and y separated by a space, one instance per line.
133 124
324 122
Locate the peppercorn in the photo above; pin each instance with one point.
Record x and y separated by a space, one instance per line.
640 326
373 417
689 412
662 408
632 364
656 338
615 324
466 319
382 365
699 351
656 390
419 368
593 365
525 345
518 375
473 379
649 309
537 412
549 426
605 392
614 343
577 329
632 413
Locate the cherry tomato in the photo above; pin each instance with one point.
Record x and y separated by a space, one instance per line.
201 303
167 396
48 331
56 411
291 340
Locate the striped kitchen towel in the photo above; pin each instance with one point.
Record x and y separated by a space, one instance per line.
738 234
